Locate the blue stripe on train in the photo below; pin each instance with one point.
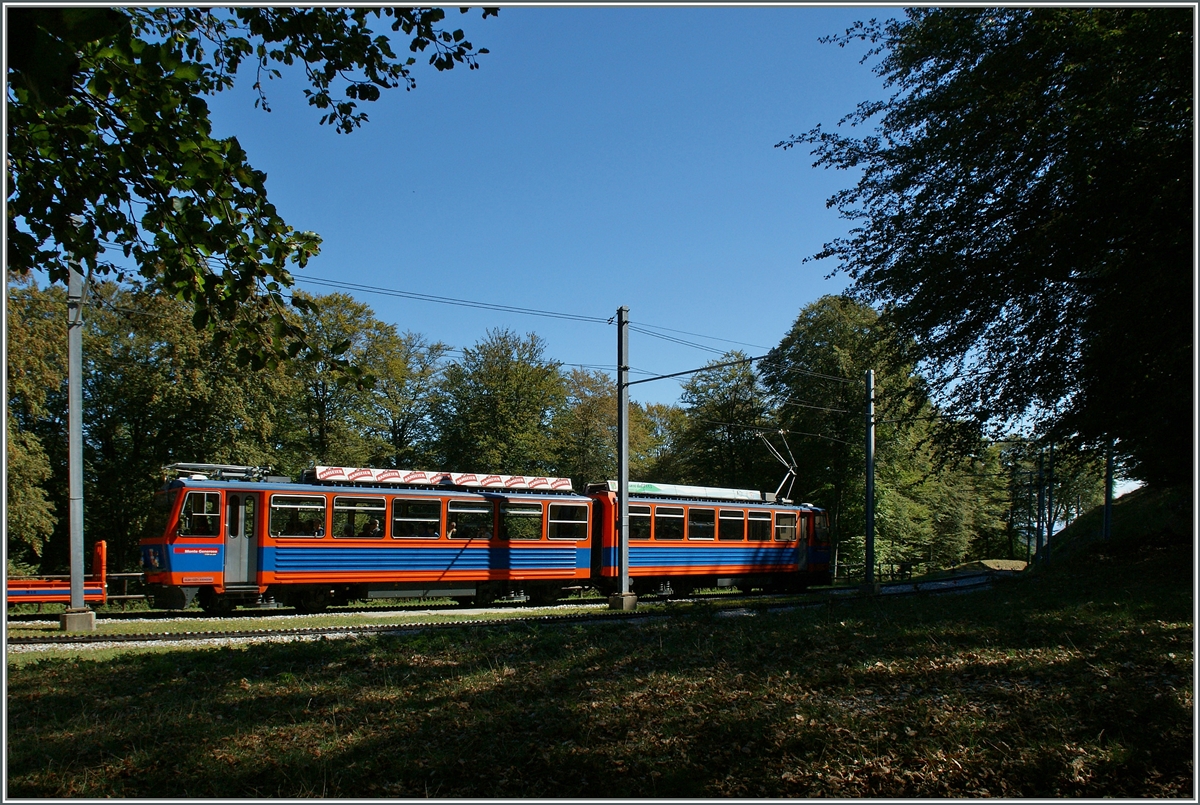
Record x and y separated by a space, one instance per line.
685 556
184 558
317 559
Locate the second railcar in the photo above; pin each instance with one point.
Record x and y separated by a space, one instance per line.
688 537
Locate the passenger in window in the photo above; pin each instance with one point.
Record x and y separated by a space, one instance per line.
371 529
450 531
201 525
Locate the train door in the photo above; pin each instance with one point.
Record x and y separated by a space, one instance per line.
241 543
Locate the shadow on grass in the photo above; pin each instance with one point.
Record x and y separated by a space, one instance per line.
1064 683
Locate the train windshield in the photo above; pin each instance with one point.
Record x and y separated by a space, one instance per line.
821 521
164 502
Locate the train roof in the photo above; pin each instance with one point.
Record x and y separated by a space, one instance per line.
364 478
640 490
470 480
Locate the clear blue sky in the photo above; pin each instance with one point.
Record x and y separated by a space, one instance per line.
600 157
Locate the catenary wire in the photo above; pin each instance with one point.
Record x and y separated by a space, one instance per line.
446 300
640 328
697 335
772 430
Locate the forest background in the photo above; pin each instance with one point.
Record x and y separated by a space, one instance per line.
158 391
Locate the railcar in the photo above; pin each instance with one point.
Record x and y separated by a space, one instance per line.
231 535
686 537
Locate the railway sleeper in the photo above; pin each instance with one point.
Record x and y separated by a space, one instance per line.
312 598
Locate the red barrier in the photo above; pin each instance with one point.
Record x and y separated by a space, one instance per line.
57 589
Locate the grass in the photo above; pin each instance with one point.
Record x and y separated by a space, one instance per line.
248 620
252 622
1071 680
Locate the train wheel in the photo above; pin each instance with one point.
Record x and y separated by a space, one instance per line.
311 602
544 595
682 589
215 604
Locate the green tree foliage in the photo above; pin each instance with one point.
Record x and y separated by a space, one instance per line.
494 408
1077 482
1074 482
155 391
338 417
109 141
725 409
927 511
816 377
655 451
35 370
585 429
406 369
1024 212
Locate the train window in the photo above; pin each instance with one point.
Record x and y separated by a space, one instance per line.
568 521
668 522
803 531
732 525
760 526
521 521
469 520
639 522
231 518
248 516
163 503
201 515
297 516
785 526
821 527
358 517
421 519
701 523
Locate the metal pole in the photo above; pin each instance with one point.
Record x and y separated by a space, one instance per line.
1041 506
1029 522
623 447
75 429
1050 502
1108 491
870 575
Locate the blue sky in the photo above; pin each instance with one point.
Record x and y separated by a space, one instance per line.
600 157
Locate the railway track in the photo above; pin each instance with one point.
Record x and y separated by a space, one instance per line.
761 602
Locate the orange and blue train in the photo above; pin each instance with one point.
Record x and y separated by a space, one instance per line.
229 535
